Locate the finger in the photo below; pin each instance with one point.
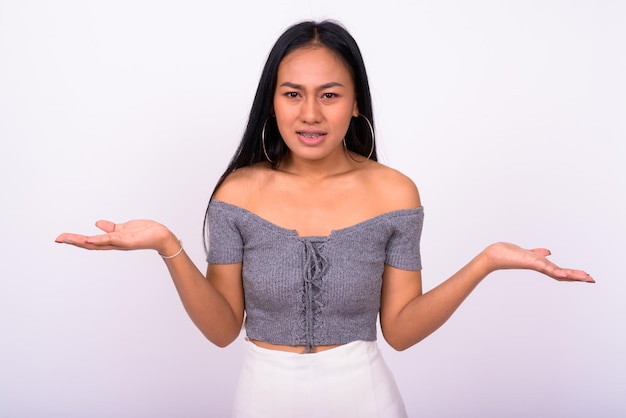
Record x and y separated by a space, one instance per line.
102 239
571 275
545 266
541 251
82 241
94 247
106 226
558 273
68 238
579 276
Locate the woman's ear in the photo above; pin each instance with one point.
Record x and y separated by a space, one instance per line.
355 110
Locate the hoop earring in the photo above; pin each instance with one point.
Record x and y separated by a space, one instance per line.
369 124
263 141
371 133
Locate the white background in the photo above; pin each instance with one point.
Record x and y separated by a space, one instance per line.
510 117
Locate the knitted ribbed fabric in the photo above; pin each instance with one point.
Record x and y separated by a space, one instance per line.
309 291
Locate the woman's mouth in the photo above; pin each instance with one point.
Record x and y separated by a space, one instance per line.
311 138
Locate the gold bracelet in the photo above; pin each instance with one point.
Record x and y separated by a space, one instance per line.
167 257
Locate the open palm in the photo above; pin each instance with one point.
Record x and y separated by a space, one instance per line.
131 235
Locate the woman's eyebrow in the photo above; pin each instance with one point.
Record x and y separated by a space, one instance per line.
300 87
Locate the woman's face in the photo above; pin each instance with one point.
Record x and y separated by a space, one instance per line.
314 102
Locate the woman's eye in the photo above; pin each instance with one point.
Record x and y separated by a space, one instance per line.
292 94
329 95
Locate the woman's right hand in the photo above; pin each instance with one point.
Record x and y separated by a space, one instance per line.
131 235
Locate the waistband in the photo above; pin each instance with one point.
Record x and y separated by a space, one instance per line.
352 348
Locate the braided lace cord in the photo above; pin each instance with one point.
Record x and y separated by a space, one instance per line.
316 265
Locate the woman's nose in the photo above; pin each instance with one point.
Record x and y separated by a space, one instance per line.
310 111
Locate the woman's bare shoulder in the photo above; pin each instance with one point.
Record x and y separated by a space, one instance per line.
240 186
393 187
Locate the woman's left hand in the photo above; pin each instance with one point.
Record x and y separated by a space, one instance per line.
503 255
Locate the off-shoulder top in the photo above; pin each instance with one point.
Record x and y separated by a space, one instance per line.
313 290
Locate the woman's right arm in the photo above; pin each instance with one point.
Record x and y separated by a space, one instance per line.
213 302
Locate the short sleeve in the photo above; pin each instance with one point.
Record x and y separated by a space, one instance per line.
225 241
403 247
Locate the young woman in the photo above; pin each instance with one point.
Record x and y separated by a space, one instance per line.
310 239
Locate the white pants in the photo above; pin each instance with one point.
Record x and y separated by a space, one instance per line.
348 381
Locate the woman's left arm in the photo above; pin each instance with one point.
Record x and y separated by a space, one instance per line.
407 315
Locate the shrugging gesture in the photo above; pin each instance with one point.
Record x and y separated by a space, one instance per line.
303 223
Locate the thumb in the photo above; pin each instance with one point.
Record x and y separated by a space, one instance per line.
106 226
542 251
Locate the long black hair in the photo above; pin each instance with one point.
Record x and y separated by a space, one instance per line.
329 34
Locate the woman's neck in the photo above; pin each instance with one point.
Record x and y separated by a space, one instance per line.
317 170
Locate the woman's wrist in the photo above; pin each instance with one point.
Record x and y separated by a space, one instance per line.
485 261
180 250
171 247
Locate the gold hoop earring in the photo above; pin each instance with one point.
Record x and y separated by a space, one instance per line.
263 141
369 124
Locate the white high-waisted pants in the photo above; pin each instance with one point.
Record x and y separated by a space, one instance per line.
348 381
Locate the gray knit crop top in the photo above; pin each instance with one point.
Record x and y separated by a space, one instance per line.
313 290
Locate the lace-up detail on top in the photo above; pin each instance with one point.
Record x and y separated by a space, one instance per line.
316 265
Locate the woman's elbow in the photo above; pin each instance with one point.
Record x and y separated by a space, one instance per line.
398 342
222 338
